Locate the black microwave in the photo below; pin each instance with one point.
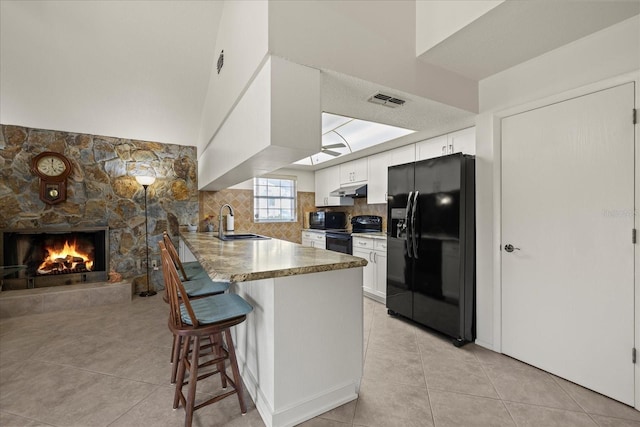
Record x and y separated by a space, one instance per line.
328 220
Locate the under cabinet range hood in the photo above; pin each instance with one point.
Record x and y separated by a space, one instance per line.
354 191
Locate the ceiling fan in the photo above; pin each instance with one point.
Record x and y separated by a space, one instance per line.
327 149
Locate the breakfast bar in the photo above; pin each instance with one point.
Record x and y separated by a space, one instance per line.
300 350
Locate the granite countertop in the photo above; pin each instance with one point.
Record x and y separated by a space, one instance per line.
240 261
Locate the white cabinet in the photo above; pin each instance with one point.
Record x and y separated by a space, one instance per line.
328 180
377 184
374 274
462 141
378 171
184 253
314 239
354 172
430 148
401 155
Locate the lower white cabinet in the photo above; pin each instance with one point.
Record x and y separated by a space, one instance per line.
374 275
184 252
314 239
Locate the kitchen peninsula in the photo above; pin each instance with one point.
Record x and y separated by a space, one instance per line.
300 350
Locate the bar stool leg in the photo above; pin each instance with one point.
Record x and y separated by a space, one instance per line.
181 373
175 357
193 380
236 372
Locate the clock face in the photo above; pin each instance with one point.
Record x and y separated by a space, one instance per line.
51 166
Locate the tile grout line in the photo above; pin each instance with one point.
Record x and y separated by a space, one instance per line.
426 385
504 405
132 407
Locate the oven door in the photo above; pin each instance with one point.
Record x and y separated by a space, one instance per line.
339 242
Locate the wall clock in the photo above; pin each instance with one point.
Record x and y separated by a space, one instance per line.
53 170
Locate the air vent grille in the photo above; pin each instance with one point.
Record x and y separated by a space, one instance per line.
388 100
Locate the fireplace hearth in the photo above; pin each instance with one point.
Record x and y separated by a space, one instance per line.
54 257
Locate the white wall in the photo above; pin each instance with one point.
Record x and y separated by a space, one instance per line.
87 67
243 35
557 75
436 20
372 40
305 180
276 122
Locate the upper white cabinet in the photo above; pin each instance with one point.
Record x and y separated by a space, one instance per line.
328 180
400 155
378 171
354 172
430 148
377 185
462 141
373 170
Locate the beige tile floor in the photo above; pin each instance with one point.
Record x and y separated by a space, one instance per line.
108 366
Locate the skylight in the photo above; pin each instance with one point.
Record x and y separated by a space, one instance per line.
344 135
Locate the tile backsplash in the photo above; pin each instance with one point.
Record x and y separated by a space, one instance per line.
242 202
360 207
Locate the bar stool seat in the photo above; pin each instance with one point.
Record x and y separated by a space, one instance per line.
217 308
204 287
194 270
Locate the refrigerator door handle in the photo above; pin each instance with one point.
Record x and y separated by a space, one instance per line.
408 223
413 226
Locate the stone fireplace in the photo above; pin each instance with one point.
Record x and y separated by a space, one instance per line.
54 257
102 193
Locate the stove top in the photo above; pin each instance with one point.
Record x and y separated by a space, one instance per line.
366 224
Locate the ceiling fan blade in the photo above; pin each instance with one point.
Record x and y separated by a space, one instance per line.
338 145
331 153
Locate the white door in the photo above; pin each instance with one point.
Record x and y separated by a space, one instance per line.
567 208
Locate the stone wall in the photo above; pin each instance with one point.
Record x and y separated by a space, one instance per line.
101 189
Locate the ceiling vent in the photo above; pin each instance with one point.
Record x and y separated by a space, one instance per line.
388 100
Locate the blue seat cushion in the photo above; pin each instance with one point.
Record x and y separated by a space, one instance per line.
199 287
216 308
194 270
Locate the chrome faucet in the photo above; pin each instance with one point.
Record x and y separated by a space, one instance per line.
220 231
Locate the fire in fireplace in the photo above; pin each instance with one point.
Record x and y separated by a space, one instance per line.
66 257
52 257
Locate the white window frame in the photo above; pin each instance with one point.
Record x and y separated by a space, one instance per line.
257 198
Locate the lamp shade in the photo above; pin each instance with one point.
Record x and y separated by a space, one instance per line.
145 180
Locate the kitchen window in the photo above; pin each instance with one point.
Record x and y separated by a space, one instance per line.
274 199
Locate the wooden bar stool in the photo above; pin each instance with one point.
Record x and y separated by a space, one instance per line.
197 288
190 270
210 317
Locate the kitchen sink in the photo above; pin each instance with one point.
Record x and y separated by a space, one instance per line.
247 236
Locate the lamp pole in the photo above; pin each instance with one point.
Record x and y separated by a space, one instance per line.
146 181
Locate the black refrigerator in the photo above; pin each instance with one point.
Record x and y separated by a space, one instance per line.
431 244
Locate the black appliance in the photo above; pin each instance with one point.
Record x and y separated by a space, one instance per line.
366 224
339 241
431 244
327 220
354 191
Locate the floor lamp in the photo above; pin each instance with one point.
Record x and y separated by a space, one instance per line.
146 181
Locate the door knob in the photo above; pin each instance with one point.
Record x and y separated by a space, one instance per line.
510 248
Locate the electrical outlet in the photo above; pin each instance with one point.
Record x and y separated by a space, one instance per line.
154 263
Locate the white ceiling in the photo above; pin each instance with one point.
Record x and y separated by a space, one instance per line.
129 69
140 69
516 31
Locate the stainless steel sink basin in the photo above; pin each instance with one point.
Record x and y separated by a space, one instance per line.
248 236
